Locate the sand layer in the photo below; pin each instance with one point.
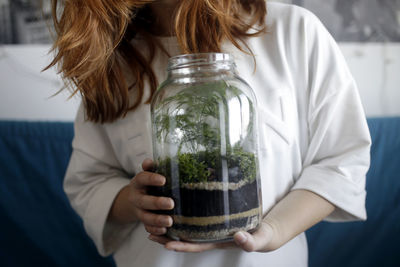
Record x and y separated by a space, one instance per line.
213 232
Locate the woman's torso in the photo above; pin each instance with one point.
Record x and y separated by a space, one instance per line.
282 135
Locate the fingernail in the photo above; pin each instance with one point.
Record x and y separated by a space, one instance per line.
241 238
170 204
161 180
166 221
166 204
169 248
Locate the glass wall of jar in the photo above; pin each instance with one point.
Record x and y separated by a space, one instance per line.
205 144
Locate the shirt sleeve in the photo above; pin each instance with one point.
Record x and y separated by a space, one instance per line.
92 181
337 157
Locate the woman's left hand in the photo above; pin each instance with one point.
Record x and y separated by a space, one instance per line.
296 212
260 240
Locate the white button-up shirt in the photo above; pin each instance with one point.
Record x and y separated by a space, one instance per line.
313 136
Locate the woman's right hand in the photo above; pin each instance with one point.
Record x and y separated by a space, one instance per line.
133 202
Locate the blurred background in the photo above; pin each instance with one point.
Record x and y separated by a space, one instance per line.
368 33
25 41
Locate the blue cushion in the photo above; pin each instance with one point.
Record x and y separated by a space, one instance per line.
376 241
38 225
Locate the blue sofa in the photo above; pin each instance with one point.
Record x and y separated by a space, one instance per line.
39 228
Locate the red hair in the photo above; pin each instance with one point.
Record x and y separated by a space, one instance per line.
93 44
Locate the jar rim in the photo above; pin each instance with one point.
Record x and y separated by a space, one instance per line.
199 59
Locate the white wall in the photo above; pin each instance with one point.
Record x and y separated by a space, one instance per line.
376 68
25 92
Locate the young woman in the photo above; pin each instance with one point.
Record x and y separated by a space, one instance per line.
314 138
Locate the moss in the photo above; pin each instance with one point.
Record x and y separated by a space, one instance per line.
192 170
205 166
246 162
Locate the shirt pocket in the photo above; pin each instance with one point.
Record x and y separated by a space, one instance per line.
276 139
138 148
134 142
275 126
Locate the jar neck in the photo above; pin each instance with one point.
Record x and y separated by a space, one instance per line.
201 64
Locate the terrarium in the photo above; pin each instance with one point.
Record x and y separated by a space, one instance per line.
204 130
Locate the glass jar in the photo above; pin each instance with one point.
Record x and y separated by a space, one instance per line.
204 130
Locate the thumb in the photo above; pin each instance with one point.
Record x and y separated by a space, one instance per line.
245 241
258 241
147 165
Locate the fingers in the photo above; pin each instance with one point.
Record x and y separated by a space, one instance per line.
155 231
143 179
144 204
189 247
258 241
155 224
147 165
143 200
180 246
159 239
245 241
154 220
148 202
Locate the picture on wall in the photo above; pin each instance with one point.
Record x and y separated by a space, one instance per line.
28 21
25 21
357 20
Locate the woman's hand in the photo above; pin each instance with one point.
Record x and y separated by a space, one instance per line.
133 203
261 241
292 215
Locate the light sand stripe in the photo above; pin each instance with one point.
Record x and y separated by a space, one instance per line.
202 221
215 185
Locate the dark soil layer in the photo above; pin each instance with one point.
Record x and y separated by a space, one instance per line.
196 202
201 202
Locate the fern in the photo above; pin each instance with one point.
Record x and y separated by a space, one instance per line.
194 116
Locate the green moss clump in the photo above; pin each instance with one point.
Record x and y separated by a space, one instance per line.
192 170
205 166
246 162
